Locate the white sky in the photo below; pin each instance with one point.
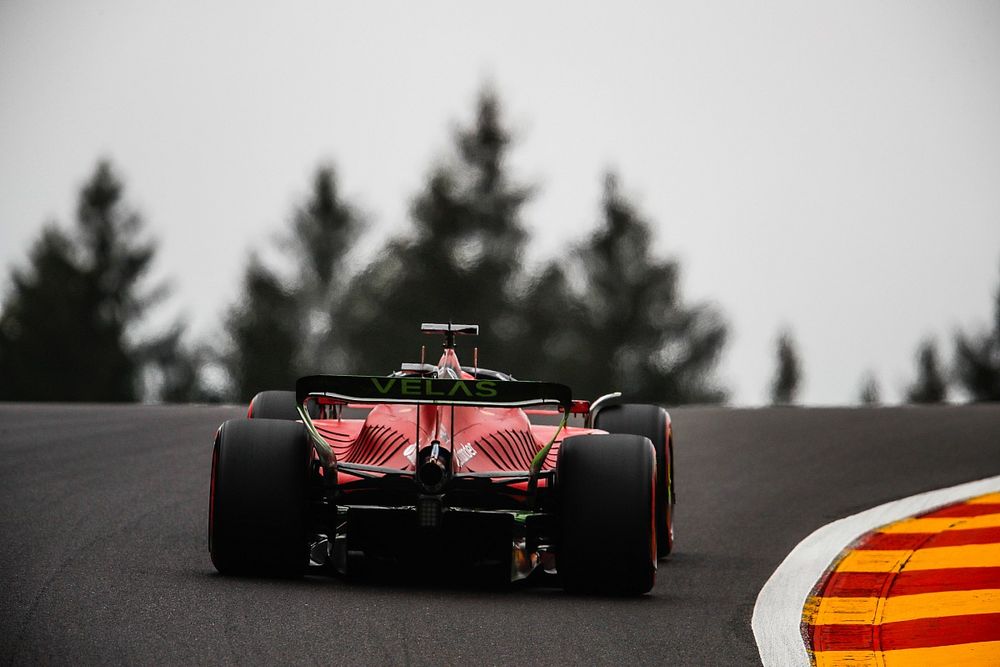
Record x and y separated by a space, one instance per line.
833 167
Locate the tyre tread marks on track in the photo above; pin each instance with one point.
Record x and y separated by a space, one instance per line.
924 590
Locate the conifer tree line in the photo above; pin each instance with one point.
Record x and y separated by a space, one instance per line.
607 314
68 328
619 323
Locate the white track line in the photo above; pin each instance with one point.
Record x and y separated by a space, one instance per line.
777 616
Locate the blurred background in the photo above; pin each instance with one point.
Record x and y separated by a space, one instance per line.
749 203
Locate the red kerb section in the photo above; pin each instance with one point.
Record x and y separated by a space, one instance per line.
960 538
872 584
913 541
894 541
919 633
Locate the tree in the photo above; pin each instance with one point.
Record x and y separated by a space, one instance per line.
788 374
977 360
624 325
870 393
265 332
175 370
67 331
461 261
550 323
324 229
930 385
285 328
43 314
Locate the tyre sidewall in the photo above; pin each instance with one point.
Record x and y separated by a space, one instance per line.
607 535
258 504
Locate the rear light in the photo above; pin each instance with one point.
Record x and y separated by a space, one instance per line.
429 511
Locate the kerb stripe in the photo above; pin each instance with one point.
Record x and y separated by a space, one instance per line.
869 584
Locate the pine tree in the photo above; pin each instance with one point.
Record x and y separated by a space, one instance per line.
930 386
625 327
550 324
788 374
283 329
460 262
265 331
977 360
870 393
44 328
67 331
325 228
175 369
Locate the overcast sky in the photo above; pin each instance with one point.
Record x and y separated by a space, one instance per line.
831 167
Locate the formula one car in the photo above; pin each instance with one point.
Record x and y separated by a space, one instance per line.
444 464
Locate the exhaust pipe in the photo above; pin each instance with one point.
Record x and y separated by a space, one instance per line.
433 468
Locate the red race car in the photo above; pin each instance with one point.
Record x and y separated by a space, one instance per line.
440 465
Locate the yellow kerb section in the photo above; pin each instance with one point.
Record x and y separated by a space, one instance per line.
864 560
936 558
989 499
874 611
978 654
947 603
969 555
847 658
847 611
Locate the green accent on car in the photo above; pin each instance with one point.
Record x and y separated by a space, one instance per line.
536 463
429 388
439 391
323 448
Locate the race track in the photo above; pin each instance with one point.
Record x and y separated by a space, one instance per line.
103 555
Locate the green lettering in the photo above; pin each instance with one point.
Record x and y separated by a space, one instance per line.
429 389
459 384
383 388
486 389
410 386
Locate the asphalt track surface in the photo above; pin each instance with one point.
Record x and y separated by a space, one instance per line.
103 555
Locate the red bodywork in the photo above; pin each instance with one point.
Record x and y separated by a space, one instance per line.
481 440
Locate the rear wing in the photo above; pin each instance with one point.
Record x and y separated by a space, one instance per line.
435 391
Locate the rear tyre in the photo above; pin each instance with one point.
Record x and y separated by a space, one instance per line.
258 501
649 421
607 540
274 405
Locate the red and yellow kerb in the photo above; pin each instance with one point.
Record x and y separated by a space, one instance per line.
921 591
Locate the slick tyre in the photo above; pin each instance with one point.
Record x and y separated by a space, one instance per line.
607 539
273 405
258 500
649 421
